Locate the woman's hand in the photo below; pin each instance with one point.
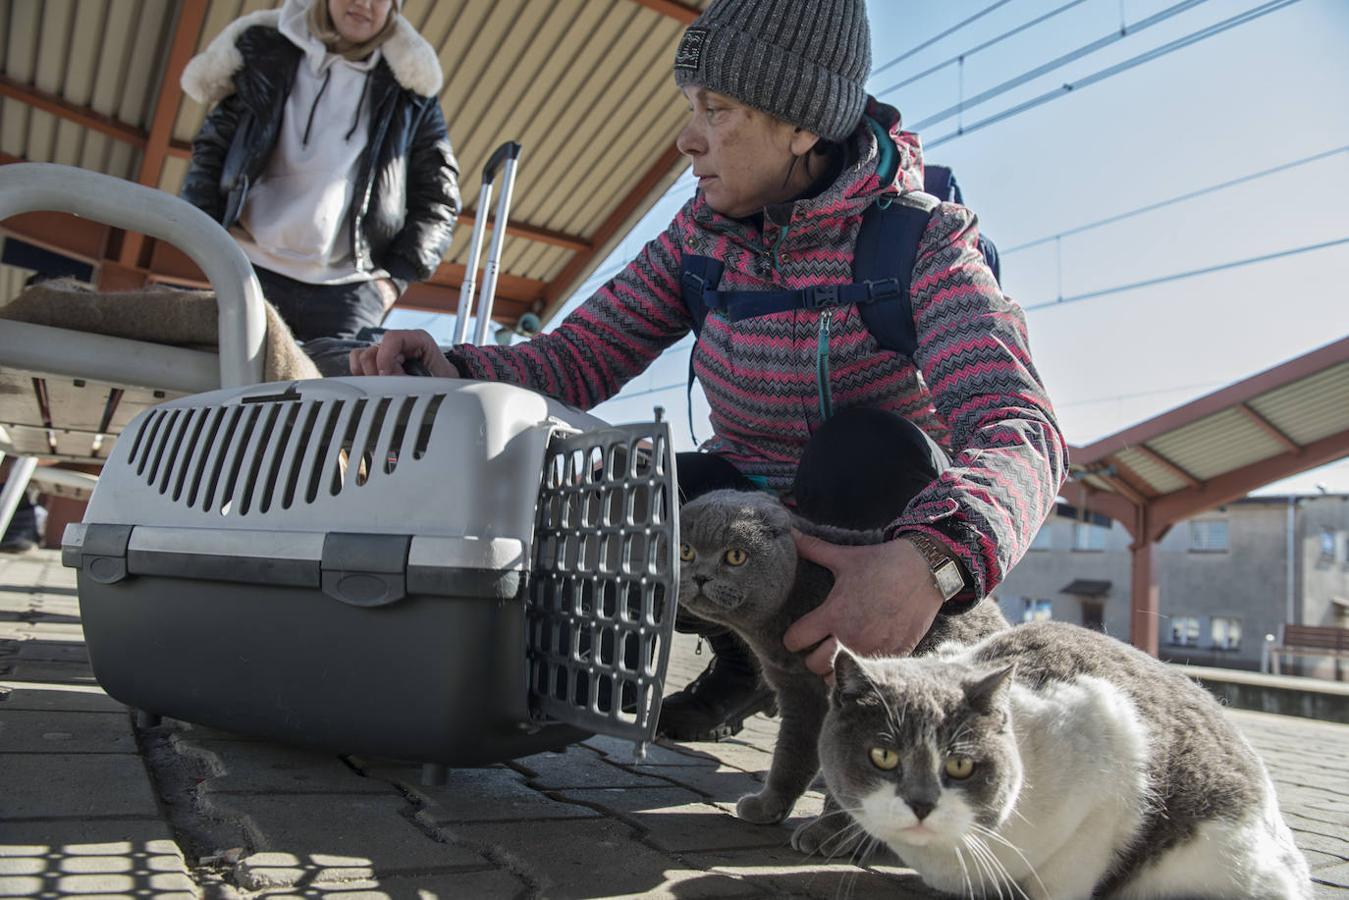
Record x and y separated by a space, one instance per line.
397 347
882 603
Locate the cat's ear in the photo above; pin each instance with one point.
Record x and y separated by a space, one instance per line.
987 692
851 682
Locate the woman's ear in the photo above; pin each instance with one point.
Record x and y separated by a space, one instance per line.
803 141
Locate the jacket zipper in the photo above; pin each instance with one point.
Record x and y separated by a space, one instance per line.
822 365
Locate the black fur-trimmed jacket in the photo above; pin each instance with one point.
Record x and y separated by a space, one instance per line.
406 199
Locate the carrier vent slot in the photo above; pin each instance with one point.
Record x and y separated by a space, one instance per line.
399 432
257 451
280 450
157 419
372 436
191 452
209 449
236 463
427 425
220 455
172 464
161 442
343 461
319 458
300 455
601 603
140 436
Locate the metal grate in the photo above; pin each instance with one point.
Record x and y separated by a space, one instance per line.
604 584
278 451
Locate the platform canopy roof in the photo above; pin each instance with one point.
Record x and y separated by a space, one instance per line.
584 85
1285 420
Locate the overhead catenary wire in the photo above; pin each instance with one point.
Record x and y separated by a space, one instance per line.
937 37
1191 273
961 57
1179 198
1109 72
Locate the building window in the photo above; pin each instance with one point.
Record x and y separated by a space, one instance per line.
1088 537
1042 539
1036 610
1328 545
1093 616
1185 631
1226 633
1208 536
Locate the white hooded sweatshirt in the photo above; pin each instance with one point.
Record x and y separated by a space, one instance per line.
295 219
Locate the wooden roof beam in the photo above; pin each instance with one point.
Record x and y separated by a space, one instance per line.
532 233
553 295
1160 460
1167 510
191 15
80 115
1268 428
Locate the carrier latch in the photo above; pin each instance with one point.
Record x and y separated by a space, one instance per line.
365 569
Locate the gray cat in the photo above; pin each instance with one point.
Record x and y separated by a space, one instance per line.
739 568
1056 762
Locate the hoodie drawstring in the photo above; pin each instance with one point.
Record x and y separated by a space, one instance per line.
327 76
356 116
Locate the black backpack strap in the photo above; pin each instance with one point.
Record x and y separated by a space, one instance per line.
887 248
698 277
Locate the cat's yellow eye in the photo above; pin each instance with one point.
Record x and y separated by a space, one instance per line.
686 553
736 557
959 767
884 758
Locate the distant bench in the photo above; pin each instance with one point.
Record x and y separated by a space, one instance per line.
1310 640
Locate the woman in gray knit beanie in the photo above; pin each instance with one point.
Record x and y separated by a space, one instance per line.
776 267
803 63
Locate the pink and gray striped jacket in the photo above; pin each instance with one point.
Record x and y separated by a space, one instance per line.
971 385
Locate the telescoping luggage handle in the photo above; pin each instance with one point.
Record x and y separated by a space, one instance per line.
505 158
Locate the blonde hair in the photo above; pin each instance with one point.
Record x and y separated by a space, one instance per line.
321 26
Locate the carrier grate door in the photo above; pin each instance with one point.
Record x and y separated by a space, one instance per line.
605 579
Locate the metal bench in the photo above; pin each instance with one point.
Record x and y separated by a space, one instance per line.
1310 640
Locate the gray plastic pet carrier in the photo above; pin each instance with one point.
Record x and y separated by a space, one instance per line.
452 572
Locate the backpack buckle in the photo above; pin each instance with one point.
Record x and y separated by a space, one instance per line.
882 289
820 296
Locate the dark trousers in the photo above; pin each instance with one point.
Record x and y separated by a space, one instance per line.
322 310
858 471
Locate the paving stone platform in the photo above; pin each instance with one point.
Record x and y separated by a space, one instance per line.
90 805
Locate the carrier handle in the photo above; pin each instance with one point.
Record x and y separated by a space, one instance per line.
40 187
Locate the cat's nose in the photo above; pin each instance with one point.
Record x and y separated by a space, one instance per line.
699 581
921 808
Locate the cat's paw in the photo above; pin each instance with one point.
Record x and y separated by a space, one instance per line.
836 837
763 808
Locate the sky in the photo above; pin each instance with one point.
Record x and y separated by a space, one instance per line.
1247 86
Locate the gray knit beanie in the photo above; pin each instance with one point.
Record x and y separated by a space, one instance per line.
803 61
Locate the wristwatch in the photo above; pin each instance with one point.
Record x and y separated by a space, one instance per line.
946 573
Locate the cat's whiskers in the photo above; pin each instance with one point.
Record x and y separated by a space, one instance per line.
980 865
960 858
993 835
1000 871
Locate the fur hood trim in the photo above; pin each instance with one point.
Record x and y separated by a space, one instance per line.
209 77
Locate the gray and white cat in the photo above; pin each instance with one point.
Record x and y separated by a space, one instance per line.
1055 762
739 568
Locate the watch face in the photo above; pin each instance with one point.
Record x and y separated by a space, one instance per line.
949 581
